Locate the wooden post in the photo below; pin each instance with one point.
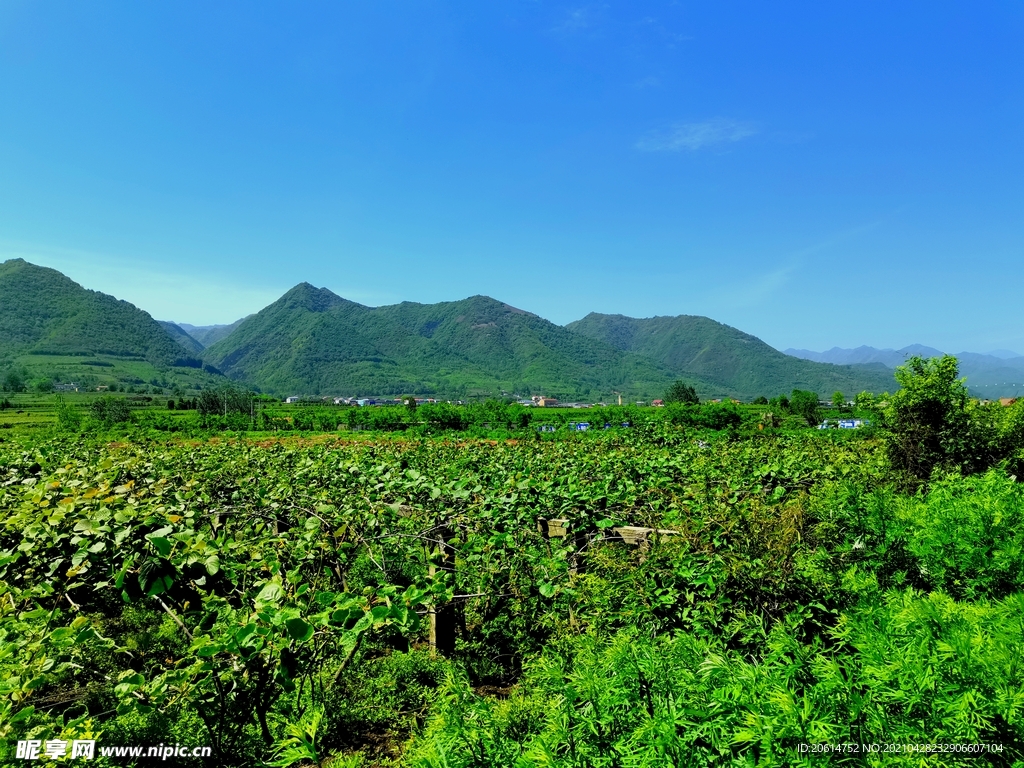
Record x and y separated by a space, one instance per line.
442 617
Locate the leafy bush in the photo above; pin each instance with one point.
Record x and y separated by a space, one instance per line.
903 669
968 535
109 410
933 423
805 404
68 418
681 392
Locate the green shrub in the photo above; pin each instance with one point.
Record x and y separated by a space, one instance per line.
109 410
968 535
933 423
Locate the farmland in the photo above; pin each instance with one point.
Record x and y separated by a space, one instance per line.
379 597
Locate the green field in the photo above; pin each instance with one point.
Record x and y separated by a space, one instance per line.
662 594
90 371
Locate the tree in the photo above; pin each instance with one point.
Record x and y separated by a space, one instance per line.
225 400
805 404
838 401
68 419
761 400
680 392
110 410
932 422
866 401
13 381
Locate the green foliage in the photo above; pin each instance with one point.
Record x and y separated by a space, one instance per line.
968 536
299 744
681 392
730 361
109 410
68 418
932 423
906 669
806 405
13 381
226 401
269 596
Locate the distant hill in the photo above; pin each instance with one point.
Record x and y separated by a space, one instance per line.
210 334
53 328
312 341
890 358
181 336
997 374
690 345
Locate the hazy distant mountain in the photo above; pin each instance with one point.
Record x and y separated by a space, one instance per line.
313 341
181 336
990 375
861 355
697 346
210 334
1004 353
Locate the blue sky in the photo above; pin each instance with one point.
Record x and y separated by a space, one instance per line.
816 174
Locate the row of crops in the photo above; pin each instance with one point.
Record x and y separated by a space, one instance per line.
272 597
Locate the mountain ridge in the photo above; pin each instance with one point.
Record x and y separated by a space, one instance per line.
53 329
464 347
313 341
987 375
699 346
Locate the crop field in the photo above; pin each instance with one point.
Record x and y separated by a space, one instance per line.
661 595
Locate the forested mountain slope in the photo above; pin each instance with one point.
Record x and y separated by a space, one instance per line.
44 312
694 346
180 335
313 341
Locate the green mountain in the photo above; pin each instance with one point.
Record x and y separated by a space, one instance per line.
53 328
693 346
312 341
181 336
44 312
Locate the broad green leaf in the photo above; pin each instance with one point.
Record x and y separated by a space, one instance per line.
271 592
299 630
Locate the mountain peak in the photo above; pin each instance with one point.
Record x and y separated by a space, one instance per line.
312 299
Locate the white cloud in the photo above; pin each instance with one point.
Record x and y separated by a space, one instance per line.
694 136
